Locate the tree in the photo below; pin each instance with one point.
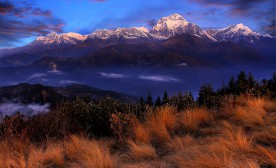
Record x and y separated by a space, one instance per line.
188 100
177 101
272 85
158 102
207 96
232 88
149 100
165 99
242 83
251 81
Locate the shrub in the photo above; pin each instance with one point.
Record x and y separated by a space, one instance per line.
122 125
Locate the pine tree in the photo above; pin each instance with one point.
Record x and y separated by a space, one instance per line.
242 83
165 99
207 96
158 102
149 100
232 88
251 81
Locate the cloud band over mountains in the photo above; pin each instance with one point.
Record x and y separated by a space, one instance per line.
21 20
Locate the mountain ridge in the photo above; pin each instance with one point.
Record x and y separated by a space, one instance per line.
166 27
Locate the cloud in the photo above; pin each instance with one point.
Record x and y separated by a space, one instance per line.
65 82
55 71
152 22
263 11
20 21
112 75
182 64
5 7
9 109
37 75
40 12
159 78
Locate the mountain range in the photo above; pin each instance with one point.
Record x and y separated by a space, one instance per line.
172 41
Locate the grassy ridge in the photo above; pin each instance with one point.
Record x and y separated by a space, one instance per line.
234 126
241 133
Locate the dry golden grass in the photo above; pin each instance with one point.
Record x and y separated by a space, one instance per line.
162 123
88 153
141 134
235 139
159 142
12 153
76 151
52 156
270 105
178 143
266 136
191 119
247 111
141 151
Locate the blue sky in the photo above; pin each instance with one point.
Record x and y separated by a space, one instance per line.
21 21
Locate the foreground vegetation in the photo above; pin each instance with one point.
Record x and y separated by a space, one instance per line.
223 128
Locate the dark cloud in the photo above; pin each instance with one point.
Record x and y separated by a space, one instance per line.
5 7
21 20
247 8
151 22
40 12
270 28
210 12
188 13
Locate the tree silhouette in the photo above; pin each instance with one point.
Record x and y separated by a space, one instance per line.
165 99
149 100
158 102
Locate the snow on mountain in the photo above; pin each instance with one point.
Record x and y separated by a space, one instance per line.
125 33
65 39
166 27
237 33
176 24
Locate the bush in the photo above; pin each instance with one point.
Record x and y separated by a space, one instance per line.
122 125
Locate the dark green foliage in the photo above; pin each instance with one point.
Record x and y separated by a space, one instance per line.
158 102
165 99
149 101
207 96
246 84
182 102
232 88
91 118
241 83
272 85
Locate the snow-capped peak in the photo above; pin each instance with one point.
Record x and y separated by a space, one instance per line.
237 33
239 29
171 22
76 36
60 39
176 24
125 33
143 29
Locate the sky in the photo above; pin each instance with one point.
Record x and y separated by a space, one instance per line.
21 21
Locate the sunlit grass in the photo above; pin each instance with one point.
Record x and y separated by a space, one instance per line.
165 138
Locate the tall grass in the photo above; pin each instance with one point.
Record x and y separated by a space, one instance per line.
165 138
191 119
162 123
